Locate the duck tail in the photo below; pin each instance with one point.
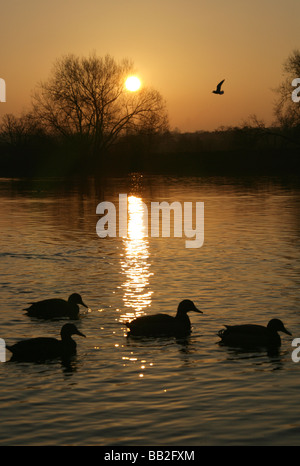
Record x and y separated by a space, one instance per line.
27 308
127 324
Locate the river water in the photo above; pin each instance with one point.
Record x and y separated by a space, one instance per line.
155 391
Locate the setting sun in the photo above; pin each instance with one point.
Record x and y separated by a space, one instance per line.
132 83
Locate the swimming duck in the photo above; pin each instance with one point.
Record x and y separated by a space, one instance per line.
163 324
43 348
250 335
50 308
218 88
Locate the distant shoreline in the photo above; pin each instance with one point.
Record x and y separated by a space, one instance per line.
235 152
227 163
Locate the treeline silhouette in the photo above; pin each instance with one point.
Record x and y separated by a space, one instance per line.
30 151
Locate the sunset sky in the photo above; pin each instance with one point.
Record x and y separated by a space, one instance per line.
183 48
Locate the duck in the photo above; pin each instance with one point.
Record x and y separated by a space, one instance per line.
43 348
218 88
251 335
164 324
55 307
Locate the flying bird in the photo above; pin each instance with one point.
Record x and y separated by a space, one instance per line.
218 88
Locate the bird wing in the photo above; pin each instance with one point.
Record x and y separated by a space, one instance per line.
152 325
154 319
34 343
220 84
46 303
247 329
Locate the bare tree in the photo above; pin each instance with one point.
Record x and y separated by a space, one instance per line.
87 97
18 130
286 111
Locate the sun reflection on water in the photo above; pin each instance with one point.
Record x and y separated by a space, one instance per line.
135 263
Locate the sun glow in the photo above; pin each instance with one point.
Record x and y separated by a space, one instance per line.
132 84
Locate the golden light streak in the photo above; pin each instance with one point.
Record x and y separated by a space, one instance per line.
135 262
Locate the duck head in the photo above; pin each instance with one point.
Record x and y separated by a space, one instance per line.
68 330
276 325
187 305
75 298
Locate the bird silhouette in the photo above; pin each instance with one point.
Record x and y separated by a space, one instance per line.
56 308
249 335
43 348
218 88
164 324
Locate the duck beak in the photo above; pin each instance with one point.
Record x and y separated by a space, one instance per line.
82 303
286 331
197 310
79 333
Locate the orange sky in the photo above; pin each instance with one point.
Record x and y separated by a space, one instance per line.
180 47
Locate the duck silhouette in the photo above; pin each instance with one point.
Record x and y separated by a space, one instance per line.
250 335
56 308
163 324
43 348
218 88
